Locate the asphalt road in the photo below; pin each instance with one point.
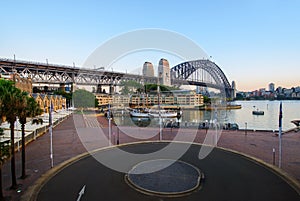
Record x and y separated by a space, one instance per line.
228 176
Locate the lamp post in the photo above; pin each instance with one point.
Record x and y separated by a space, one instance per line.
50 132
45 105
216 125
280 133
109 125
273 156
171 125
159 114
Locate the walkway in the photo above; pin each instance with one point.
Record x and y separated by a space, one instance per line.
67 145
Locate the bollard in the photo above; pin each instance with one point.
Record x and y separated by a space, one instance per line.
273 156
118 136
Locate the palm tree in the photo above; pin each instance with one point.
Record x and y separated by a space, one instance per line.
4 155
30 109
1 133
12 101
4 148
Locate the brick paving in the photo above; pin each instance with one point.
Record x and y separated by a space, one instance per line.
67 144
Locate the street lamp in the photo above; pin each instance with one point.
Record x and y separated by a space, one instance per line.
280 134
45 105
159 113
109 125
50 132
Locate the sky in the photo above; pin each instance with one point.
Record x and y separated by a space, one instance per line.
255 42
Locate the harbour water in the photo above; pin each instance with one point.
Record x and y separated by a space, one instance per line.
268 121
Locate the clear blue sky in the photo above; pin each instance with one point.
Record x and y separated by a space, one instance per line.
255 42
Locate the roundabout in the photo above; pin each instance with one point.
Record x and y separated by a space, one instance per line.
175 178
228 176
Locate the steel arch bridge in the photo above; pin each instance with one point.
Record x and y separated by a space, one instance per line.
201 73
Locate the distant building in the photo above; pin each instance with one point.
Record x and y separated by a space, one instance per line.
233 85
202 90
148 69
43 100
171 99
262 92
164 72
24 84
271 87
288 92
279 90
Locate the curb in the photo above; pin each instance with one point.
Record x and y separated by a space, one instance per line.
279 172
32 192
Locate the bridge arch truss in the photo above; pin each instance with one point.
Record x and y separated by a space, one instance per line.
201 73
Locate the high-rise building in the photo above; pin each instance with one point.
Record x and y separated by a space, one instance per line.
272 87
233 85
148 69
164 72
279 90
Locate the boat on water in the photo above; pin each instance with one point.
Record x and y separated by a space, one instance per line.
258 112
139 113
297 124
141 121
154 113
162 114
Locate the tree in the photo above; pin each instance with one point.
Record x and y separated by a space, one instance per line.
153 87
4 155
30 108
66 95
83 99
4 148
12 100
206 100
129 87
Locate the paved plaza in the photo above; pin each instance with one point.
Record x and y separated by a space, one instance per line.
228 176
67 144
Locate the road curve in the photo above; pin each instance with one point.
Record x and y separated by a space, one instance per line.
228 176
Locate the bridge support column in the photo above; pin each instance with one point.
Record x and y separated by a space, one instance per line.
111 89
99 88
62 87
73 86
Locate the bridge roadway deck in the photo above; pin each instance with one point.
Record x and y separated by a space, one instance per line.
59 74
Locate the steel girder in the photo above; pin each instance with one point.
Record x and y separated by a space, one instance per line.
181 74
60 74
